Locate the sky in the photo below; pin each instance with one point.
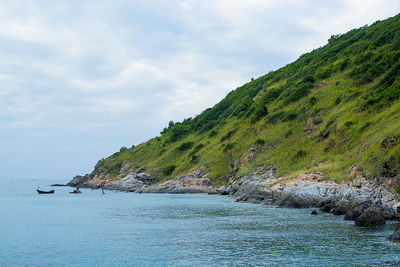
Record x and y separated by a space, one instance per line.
80 79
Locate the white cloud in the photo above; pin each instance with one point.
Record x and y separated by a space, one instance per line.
121 70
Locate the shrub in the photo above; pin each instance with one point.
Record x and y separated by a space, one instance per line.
338 100
213 133
243 106
177 131
300 91
309 79
365 126
259 112
185 146
301 154
348 123
197 148
282 116
288 133
289 115
168 170
313 100
324 73
271 95
273 118
260 142
122 149
194 158
228 135
207 126
228 147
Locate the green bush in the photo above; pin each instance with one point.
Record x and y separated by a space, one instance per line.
185 146
168 170
197 148
282 116
313 101
213 133
288 133
259 112
177 131
289 115
338 100
348 123
301 154
273 118
271 95
228 147
194 158
300 91
228 135
260 142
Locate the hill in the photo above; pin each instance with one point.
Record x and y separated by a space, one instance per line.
334 110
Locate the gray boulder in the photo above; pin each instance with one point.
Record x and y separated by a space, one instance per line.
356 208
194 182
371 216
341 208
132 182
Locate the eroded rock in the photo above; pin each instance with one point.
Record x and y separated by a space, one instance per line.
357 208
194 182
371 216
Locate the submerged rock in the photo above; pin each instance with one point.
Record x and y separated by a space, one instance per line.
395 237
314 212
327 208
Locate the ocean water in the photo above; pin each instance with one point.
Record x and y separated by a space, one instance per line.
128 229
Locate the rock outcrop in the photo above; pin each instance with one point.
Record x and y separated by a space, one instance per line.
365 202
132 182
140 182
194 182
83 181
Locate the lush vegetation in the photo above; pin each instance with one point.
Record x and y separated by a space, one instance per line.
329 111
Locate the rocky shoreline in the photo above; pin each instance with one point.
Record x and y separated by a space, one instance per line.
367 202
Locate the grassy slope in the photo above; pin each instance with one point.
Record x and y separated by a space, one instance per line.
328 111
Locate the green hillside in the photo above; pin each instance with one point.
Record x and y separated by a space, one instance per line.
334 110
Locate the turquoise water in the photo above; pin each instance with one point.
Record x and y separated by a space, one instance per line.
127 229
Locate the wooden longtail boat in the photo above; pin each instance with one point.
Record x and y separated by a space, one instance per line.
45 192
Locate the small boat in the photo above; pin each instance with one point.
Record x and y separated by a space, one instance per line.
76 191
45 192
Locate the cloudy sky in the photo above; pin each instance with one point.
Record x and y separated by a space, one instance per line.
80 79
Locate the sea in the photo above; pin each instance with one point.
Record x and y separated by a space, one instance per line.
131 229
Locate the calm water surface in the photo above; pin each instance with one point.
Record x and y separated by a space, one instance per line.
127 229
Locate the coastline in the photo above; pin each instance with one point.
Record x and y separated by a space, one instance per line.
367 202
